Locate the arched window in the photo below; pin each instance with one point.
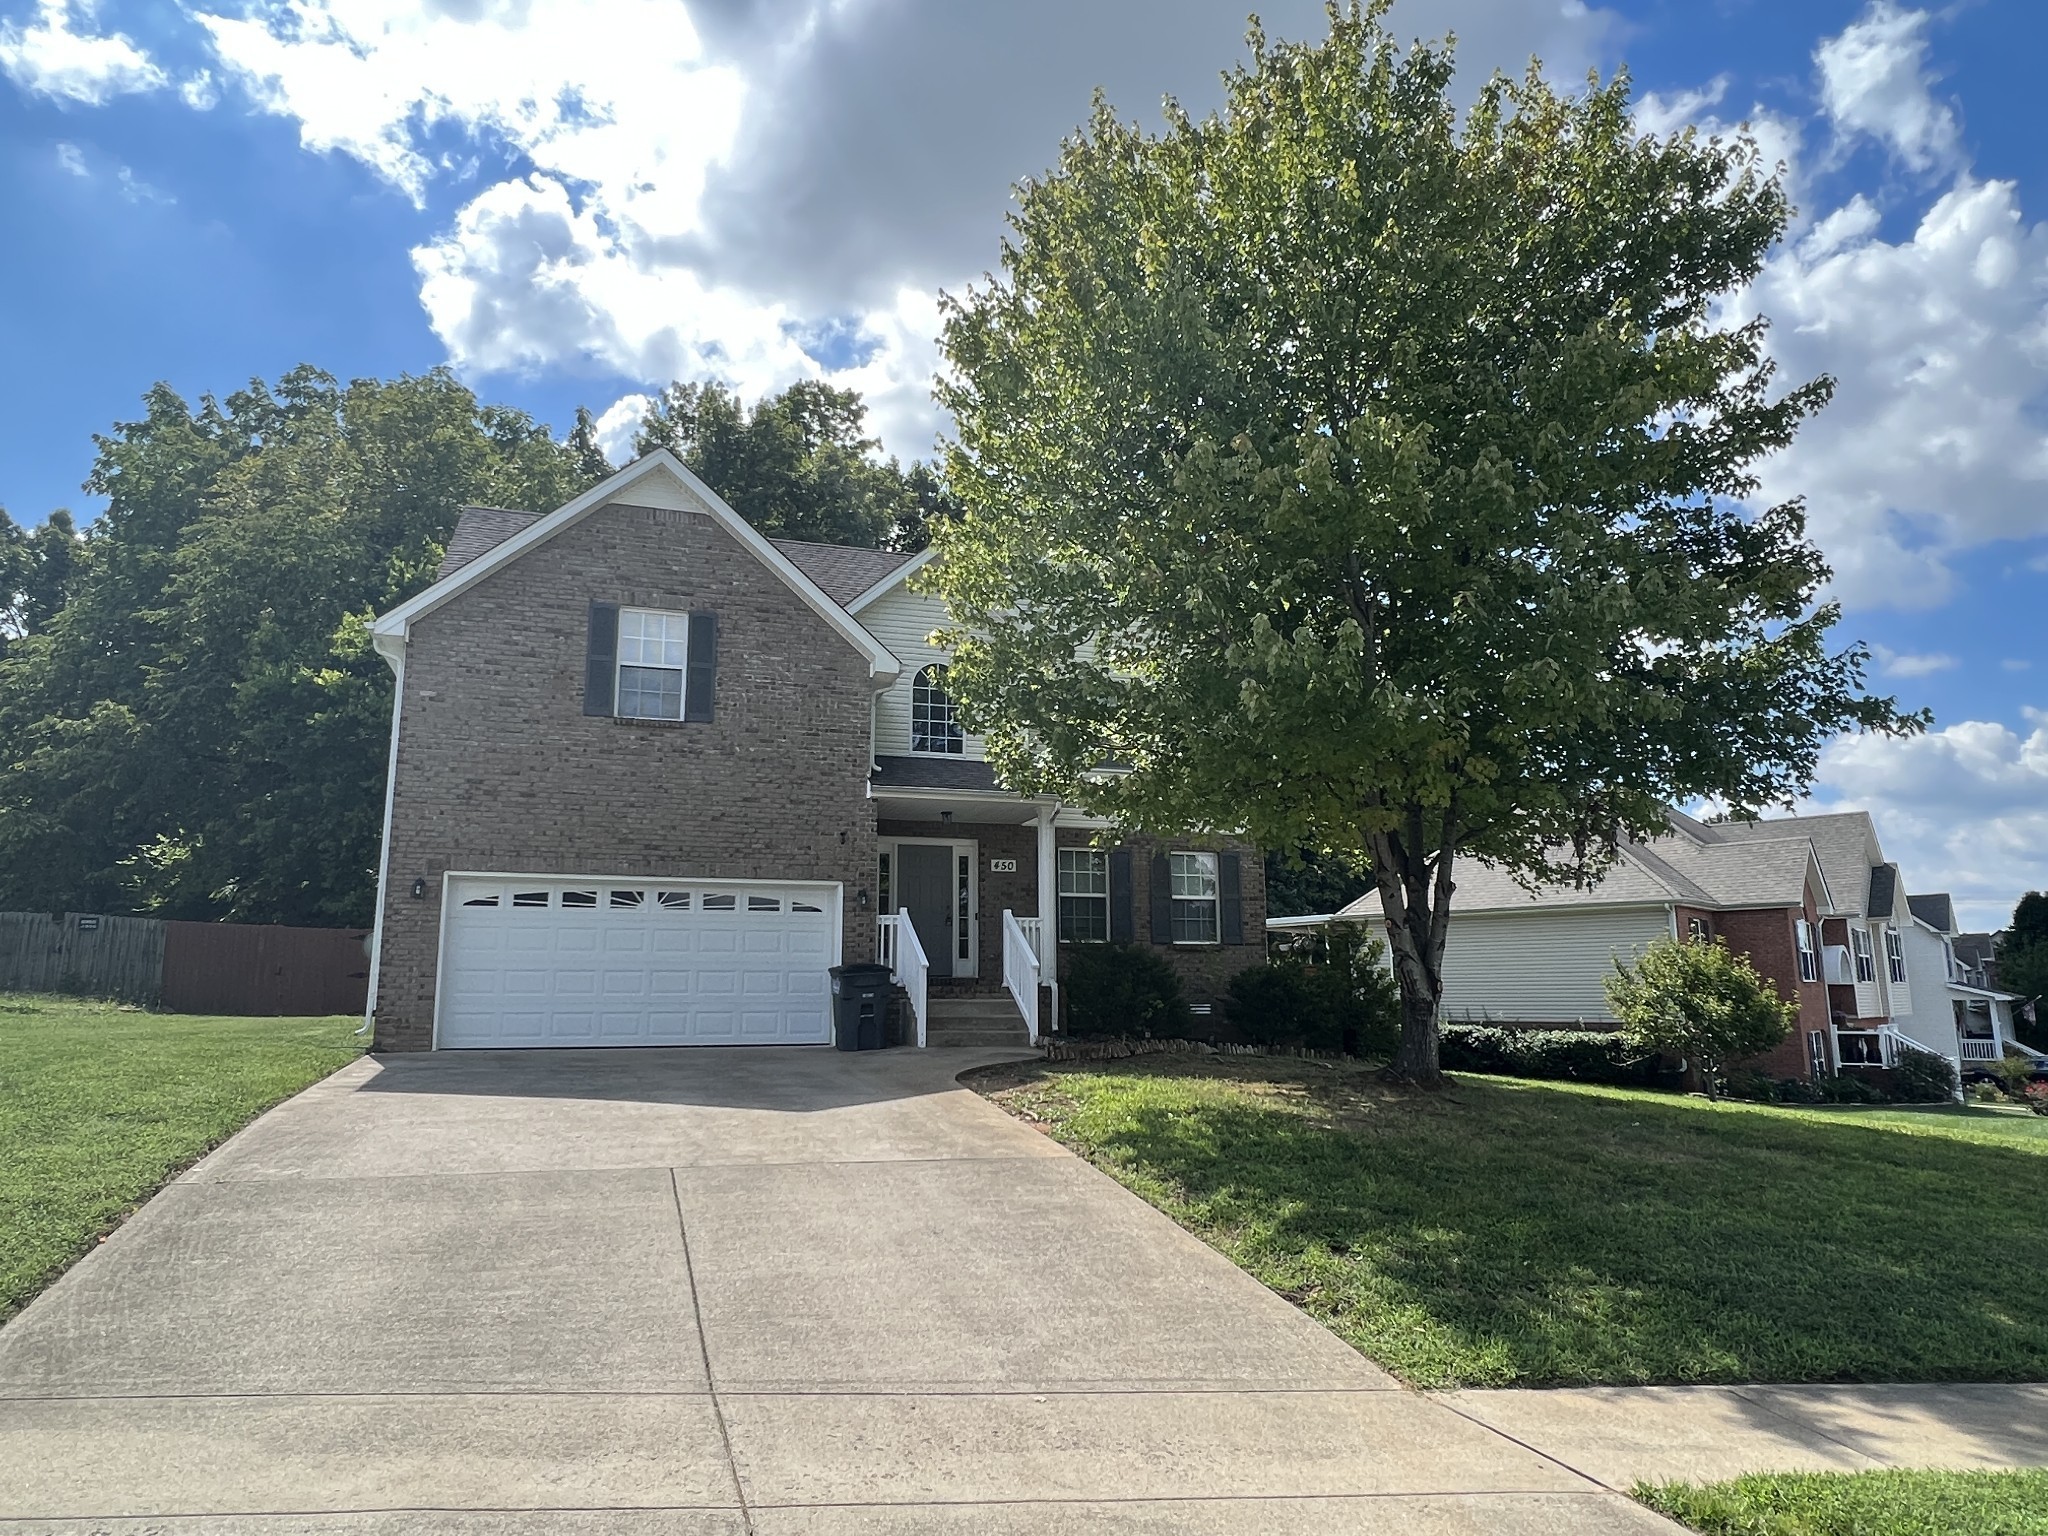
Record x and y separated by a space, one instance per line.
933 727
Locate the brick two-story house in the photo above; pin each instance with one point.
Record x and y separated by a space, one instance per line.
652 774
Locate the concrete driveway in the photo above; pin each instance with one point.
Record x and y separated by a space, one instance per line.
701 1293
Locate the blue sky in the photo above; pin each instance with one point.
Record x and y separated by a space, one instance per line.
572 202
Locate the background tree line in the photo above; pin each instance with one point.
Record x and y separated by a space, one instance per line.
192 723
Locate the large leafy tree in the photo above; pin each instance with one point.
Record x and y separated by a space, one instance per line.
2022 952
199 729
1361 473
797 465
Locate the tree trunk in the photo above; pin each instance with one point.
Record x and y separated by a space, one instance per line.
1415 896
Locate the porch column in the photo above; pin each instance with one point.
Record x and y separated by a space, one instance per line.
1048 900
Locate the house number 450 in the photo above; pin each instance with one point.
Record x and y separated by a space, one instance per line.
1002 866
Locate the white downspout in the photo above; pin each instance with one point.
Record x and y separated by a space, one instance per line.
397 663
1048 910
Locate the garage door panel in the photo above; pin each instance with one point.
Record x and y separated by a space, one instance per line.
536 963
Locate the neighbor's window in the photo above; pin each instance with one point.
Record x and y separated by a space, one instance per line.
1809 957
1084 896
1698 929
1866 962
653 648
1194 897
933 725
1894 954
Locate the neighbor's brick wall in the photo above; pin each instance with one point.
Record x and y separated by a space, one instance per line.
1205 970
500 769
1766 936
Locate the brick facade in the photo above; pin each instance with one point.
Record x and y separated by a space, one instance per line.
1766 936
500 769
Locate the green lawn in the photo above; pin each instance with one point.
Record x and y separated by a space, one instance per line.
1965 1122
101 1104
1520 1233
1862 1504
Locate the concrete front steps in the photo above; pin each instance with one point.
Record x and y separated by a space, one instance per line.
976 1019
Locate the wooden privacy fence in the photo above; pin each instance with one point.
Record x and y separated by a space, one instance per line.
237 968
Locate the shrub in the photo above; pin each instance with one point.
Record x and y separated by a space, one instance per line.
1849 1088
1339 996
1121 989
2013 1073
1921 1077
1761 1088
1700 1000
1986 1093
2036 1098
1572 1055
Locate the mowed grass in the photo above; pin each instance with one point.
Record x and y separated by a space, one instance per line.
1862 1504
1507 1233
100 1105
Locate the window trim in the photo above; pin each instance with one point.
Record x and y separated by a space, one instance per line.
1806 940
1213 901
1098 860
1861 953
930 679
681 670
1894 955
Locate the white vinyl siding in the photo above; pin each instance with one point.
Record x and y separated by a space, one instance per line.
1541 967
901 620
1933 1022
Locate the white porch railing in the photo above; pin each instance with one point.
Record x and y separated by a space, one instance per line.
1979 1049
1034 934
1020 969
897 946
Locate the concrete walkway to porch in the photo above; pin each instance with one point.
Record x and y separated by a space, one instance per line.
706 1293
1619 1436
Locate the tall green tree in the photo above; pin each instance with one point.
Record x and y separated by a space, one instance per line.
199 730
1363 473
797 465
2022 953
37 568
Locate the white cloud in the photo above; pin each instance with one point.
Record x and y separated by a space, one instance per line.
1896 664
1963 810
72 159
1873 80
58 55
615 428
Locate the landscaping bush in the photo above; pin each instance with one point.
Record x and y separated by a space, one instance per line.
2036 1098
1340 996
1849 1088
1572 1055
1121 989
1921 1077
1699 1000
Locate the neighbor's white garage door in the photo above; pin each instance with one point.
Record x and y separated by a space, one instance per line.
582 962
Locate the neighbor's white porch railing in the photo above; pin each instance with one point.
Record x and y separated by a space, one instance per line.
1034 934
897 946
1978 1048
1020 969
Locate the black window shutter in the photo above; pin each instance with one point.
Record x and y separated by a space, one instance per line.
702 682
601 661
1162 901
1123 922
1230 898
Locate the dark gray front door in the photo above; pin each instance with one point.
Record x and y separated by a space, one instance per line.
925 885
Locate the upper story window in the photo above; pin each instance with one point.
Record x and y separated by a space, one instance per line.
1809 954
1866 962
933 724
1084 896
653 655
1194 891
1894 955
1698 929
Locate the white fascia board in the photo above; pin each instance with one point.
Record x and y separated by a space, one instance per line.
395 625
893 580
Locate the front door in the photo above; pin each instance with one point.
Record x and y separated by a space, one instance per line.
924 880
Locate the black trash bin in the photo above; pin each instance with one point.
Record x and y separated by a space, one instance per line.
860 1006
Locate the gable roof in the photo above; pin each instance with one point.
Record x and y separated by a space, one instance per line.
1936 911
1884 890
1686 867
1845 842
390 631
478 531
845 572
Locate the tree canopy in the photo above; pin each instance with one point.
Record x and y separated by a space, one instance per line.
1365 473
2022 953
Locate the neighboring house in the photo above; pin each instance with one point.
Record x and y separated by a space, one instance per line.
1977 956
653 773
1811 900
1963 1015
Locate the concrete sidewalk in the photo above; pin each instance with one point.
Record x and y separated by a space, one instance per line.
706 1293
1618 1436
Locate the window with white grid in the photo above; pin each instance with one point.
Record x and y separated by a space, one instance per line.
1084 896
653 652
1194 891
933 724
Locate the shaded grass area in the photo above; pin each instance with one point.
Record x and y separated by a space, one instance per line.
100 1105
1861 1504
1508 1233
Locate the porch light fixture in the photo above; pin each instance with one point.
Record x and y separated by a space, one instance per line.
863 898
946 817
419 889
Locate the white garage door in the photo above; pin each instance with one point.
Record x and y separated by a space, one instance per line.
530 962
